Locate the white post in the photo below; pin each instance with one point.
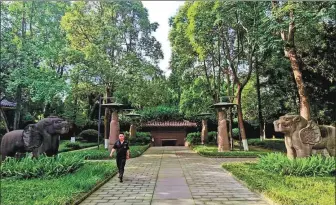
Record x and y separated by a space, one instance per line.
106 143
245 145
73 139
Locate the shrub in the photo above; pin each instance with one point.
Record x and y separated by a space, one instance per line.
43 167
278 145
89 135
212 138
194 138
235 133
72 145
310 166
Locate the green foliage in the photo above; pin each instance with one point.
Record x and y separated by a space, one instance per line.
43 167
62 190
102 153
289 190
212 151
212 138
89 135
194 138
66 146
72 145
141 138
161 113
278 144
310 166
235 133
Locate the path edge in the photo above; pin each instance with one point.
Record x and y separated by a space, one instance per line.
95 188
263 196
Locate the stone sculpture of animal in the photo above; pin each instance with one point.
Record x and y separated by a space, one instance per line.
301 136
20 141
50 128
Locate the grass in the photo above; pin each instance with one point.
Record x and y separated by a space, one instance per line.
62 190
103 154
82 145
288 190
212 151
66 189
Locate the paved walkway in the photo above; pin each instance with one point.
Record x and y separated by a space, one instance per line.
177 176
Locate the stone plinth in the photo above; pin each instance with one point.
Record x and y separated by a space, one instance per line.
114 129
204 135
132 131
223 140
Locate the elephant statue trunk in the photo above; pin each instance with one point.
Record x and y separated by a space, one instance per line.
302 136
51 128
40 138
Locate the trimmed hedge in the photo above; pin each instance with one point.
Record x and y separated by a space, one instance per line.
142 138
194 138
89 135
212 151
278 144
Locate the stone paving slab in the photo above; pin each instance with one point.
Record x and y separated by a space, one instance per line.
175 175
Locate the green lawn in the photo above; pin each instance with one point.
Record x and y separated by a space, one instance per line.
103 154
287 190
212 151
62 190
65 189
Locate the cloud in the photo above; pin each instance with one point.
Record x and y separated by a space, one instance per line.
160 12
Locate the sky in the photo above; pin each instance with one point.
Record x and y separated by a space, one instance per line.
160 12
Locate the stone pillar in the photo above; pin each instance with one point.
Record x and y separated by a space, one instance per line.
132 131
223 140
204 135
114 129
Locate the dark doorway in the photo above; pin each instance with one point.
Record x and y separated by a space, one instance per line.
169 142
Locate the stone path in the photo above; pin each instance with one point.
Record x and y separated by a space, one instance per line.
177 176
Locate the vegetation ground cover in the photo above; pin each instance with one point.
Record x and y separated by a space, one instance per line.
282 189
63 189
103 154
66 145
212 151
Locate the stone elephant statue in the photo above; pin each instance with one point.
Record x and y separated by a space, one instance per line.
50 128
302 136
21 141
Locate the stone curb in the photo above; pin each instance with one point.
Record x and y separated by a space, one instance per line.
263 196
95 188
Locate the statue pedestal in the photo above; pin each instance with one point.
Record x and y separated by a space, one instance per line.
114 130
132 132
223 140
204 134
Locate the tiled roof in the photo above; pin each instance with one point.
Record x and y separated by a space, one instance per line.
6 103
183 123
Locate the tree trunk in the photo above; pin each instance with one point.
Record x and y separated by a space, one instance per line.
240 118
304 102
18 108
107 118
261 121
46 110
3 116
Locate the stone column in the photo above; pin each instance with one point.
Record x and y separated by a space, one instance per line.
204 135
223 140
114 129
132 131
